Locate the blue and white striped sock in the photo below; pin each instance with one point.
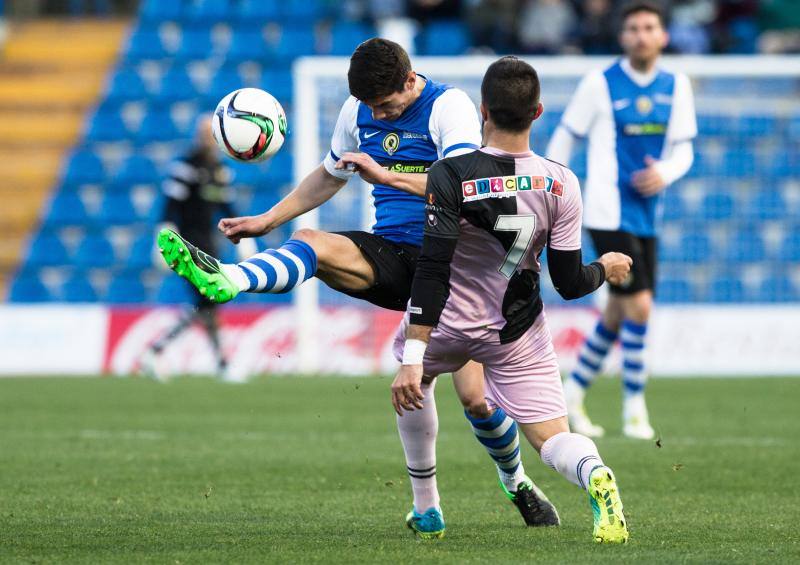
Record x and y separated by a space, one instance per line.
277 270
592 354
499 435
634 373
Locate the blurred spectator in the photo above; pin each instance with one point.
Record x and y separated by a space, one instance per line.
425 10
781 21
492 24
597 29
735 27
546 26
689 28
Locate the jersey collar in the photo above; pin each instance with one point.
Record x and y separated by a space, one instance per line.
500 153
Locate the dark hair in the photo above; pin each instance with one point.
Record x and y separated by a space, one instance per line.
378 67
510 93
638 6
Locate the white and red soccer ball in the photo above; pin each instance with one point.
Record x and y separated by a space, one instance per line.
249 125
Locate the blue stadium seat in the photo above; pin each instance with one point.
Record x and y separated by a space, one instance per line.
126 84
695 247
793 129
126 288
225 81
443 38
742 163
176 84
280 168
279 84
145 44
790 248
767 203
78 289
675 290
141 253
28 288
174 290
717 206
726 288
254 13
674 208
137 169
157 125
254 174
106 125
47 250
117 209
247 44
195 44
95 251
67 209
714 124
346 36
295 42
209 11
778 288
756 125
746 246
303 10
84 167
159 10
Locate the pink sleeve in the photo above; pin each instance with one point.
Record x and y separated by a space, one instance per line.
565 234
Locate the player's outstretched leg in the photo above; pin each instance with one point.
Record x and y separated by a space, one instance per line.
590 361
636 420
576 458
418 430
499 435
274 270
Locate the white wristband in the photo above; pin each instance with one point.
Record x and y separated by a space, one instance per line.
414 351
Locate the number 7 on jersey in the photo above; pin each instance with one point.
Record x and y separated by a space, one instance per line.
524 225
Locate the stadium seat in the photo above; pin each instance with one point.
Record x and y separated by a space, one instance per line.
126 84
224 81
78 289
117 209
146 44
176 84
295 42
741 163
209 11
106 126
159 10
778 288
247 44
47 250
195 44
346 36
28 288
279 84
255 13
174 290
746 246
717 206
303 10
443 38
674 208
157 125
767 203
675 290
280 168
95 251
84 167
695 247
714 124
137 169
126 288
726 288
67 209
790 248
141 252
758 125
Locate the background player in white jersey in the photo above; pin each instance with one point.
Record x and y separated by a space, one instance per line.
393 127
475 293
640 122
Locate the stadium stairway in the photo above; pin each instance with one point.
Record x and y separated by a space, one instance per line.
50 72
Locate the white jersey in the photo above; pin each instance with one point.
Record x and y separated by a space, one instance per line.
627 117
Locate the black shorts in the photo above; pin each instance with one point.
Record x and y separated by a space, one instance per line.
641 249
394 265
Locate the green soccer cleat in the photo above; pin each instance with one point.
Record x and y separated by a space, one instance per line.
535 508
199 268
429 525
609 522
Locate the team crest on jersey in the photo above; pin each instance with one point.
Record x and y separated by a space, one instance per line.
391 142
644 105
506 187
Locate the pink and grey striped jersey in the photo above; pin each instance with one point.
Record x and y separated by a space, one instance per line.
490 214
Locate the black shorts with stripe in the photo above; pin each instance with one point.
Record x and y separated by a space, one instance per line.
643 251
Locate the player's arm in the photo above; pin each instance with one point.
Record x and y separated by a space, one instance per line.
571 278
678 154
578 117
431 286
373 173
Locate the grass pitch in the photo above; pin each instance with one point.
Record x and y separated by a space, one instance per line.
311 470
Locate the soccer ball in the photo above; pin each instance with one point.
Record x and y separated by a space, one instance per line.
249 125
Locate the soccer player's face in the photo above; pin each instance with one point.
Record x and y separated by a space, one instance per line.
643 37
391 107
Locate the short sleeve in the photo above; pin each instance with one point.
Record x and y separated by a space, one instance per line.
565 234
345 138
682 120
442 202
454 124
583 107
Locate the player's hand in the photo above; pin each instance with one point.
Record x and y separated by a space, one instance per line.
365 166
617 266
246 226
406 389
648 181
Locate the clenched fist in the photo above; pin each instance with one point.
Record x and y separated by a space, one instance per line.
617 266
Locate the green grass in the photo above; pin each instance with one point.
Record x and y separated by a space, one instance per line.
311 470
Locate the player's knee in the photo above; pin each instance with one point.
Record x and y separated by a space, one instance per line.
307 235
477 408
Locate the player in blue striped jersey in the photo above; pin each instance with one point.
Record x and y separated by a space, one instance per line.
640 121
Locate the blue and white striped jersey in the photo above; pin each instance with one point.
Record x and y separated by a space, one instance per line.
442 122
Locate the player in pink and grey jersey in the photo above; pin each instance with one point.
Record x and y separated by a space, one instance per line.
475 295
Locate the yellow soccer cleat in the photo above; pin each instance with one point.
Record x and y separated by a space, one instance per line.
609 522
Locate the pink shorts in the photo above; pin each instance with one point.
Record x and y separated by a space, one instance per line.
521 377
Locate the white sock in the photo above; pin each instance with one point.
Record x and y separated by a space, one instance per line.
237 275
634 407
418 431
572 455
